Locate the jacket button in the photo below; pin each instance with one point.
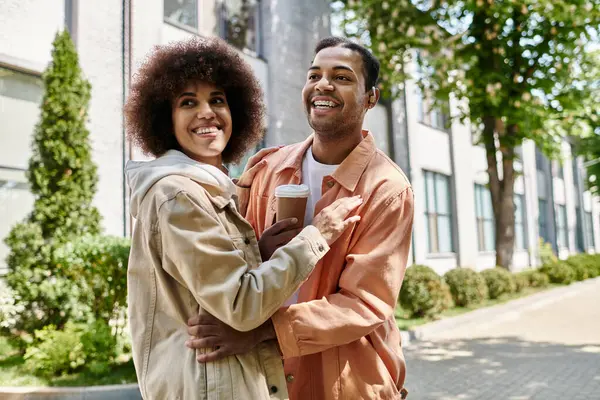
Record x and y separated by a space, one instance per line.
330 184
289 378
274 389
247 241
321 248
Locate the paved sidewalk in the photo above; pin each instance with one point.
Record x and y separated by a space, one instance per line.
549 351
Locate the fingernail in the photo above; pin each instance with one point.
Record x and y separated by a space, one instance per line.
187 343
294 220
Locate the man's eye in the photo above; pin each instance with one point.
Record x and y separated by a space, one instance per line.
343 78
313 77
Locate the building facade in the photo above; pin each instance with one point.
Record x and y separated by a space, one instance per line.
453 220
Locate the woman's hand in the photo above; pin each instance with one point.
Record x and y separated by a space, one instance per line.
332 221
255 164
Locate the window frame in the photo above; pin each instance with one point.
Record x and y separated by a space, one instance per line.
432 217
258 17
181 25
523 223
481 192
562 228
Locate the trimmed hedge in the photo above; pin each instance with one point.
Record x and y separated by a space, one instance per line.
559 272
424 293
499 281
467 286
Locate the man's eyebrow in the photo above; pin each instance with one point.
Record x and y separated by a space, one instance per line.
315 67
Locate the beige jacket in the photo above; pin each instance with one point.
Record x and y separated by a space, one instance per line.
192 251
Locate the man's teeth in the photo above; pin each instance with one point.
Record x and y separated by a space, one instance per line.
201 131
324 104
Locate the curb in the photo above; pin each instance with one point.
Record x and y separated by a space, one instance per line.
108 392
494 314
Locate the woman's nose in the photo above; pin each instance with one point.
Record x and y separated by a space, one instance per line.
205 111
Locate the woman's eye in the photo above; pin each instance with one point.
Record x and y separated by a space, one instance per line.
312 77
187 103
343 78
218 100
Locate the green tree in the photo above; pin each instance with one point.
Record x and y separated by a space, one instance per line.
62 178
517 70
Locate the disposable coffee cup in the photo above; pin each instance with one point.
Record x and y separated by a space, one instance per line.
291 202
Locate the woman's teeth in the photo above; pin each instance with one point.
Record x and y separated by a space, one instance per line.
202 131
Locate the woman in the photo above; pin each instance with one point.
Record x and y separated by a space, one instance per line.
195 105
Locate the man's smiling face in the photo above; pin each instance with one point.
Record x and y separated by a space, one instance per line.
334 95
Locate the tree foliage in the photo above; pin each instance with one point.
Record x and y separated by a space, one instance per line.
517 69
62 178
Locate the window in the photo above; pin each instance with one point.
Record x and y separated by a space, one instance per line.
562 233
575 168
520 232
560 170
589 229
485 219
428 115
182 12
437 214
542 220
240 23
542 202
579 241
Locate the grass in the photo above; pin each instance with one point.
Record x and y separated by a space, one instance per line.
404 322
13 372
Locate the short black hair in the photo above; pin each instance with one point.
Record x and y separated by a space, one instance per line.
370 62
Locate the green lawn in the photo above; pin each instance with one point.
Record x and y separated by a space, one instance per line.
12 372
405 323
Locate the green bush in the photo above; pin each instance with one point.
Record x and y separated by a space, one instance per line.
466 286
546 253
62 178
535 278
55 352
424 293
559 272
585 265
521 281
97 265
499 281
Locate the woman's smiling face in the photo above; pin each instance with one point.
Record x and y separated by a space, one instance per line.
202 122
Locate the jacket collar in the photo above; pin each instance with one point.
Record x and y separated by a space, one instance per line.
350 170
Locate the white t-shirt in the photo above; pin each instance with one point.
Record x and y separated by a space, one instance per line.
313 173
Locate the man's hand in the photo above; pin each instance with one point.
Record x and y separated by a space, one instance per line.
276 236
207 331
254 164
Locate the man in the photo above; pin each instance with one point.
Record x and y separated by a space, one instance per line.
337 335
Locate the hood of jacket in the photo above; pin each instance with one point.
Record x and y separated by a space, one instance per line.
142 175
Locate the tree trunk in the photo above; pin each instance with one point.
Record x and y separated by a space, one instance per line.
501 188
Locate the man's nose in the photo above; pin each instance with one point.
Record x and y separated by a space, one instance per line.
324 85
205 111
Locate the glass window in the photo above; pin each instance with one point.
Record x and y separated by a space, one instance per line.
438 213
542 220
240 23
589 228
562 233
485 219
20 97
16 202
182 12
579 241
520 231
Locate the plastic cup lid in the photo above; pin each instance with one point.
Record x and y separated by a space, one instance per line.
292 191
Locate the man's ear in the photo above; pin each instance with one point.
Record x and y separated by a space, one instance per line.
373 97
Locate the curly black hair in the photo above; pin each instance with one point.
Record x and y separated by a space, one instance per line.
168 69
